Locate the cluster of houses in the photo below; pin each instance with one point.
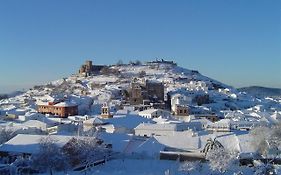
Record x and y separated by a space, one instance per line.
153 133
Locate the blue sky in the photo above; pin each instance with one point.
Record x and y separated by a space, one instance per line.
237 42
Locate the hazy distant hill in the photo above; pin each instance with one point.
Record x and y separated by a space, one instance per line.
9 95
261 91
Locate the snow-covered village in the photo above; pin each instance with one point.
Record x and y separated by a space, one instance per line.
140 87
152 117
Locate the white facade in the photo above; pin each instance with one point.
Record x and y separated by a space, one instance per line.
197 86
110 128
179 99
167 129
36 124
91 123
154 113
228 125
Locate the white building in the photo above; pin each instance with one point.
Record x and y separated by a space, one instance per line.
37 124
30 144
197 86
123 124
155 113
166 129
229 125
91 123
223 125
179 99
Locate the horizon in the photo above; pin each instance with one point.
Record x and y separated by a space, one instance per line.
235 42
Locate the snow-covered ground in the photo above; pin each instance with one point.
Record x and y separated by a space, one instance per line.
159 167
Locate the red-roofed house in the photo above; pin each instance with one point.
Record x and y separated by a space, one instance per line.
61 109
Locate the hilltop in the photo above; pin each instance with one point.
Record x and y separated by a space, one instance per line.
261 91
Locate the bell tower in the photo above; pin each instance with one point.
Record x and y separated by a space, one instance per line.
105 111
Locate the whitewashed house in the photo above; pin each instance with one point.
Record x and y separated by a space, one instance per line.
197 86
155 113
92 122
230 125
223 125
36 124
26 145
165 129
180 99
123 124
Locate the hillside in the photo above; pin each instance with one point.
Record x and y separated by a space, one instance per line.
261 91
109 85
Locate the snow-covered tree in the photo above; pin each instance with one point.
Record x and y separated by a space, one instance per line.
85 151
50 157
259 141
220 160
211 145
261 168
190 167
142 74
275 141
5 135
267 141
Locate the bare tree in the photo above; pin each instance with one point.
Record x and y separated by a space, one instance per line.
3 96
135 63
50 157
138 62
119 63
142 74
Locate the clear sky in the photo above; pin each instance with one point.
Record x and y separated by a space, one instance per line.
237 42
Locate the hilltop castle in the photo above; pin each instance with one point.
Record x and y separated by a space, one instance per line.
88 68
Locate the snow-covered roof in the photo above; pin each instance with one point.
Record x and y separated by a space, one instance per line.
127 121
151 111
160 127
148 111
160 120
35 123
94 121
24 143
223 123
241 142
246 143
203 121
276 116
145 146
65 104
119 141
180 140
